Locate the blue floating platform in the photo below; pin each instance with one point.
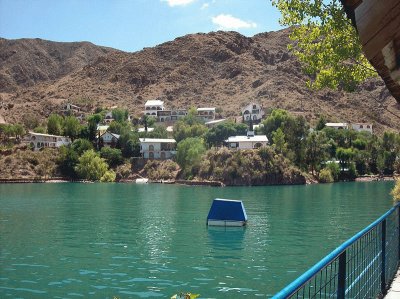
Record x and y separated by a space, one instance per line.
227 212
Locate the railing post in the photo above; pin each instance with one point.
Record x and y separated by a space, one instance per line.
383 265
341 291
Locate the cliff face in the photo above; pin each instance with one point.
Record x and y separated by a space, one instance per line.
221 69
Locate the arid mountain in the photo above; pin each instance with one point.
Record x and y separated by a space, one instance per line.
26 62
221 69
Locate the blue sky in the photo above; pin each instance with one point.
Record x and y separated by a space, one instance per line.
131 25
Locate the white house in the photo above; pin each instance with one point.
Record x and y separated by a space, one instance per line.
109 139
108 118
337 126
101 129
155 148
250 141
253 111
206 114
359 127
151 107
38 141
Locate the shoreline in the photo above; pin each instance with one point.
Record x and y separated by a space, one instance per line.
371 178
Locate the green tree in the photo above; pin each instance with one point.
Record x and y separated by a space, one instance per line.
55 124
113 156
67 160
321 123
120 115
325 42
183 130
396 191
81 145
72 127
189 153
158 132
316 150
218 134
279 143
91 166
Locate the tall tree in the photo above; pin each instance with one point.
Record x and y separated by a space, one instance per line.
54 124
325 42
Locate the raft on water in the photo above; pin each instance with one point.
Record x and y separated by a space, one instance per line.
227 212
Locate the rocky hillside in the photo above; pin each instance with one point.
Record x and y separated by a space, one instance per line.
26 62
221 69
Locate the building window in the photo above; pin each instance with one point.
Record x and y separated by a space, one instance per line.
361 127
151 155
151 147
368 127
254 106
163 155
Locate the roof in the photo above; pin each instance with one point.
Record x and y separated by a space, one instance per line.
148 129
336 124
226 209
154 103
156 140
255 138
215 121
113 134
206 109
47 135
101 128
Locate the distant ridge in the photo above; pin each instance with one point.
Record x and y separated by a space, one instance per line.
221 69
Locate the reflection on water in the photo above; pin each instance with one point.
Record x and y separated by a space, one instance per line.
144 241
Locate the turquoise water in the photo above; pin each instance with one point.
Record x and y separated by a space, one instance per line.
145 241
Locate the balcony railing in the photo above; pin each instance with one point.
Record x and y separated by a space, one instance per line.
362 267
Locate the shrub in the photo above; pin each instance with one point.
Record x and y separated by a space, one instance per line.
325 176
396 191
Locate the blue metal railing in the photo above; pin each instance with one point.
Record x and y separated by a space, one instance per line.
362 267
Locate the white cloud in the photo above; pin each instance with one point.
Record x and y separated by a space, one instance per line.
228 22
205 5
173 3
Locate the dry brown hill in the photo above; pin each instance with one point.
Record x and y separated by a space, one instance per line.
26 62
222 69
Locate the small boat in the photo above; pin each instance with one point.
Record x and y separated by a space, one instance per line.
142 181
227 212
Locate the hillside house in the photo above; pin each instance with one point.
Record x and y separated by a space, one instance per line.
109 139
337 126
101 129
206 114
38 141
151 107
254 112
108 118
362 127
155 148
250 141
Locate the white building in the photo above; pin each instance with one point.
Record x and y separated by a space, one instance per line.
38 141
109 139
250 141
206 114
151 107
360 127
154 148
253 111
337 126
108 118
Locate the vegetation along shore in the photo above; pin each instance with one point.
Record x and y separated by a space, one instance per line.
295 153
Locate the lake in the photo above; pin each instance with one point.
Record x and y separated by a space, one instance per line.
71 240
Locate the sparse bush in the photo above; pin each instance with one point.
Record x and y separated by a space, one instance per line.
325 176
